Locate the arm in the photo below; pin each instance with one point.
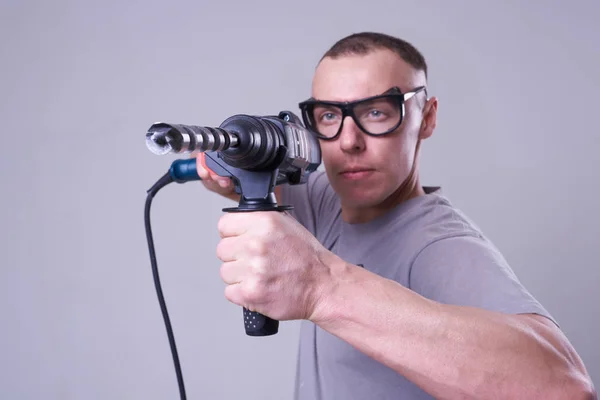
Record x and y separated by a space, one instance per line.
450 351
459 332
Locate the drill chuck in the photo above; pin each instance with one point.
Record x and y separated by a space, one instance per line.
163 138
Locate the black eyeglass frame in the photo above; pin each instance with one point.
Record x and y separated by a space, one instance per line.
347 108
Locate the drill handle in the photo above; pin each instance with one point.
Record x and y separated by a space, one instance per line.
257 324
256 190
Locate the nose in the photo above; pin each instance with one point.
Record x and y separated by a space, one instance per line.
352 139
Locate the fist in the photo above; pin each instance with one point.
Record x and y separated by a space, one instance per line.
273 265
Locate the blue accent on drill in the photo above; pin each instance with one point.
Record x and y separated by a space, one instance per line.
184 170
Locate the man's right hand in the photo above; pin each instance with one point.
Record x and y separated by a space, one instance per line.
215 183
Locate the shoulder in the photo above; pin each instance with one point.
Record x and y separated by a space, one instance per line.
446 231
442 238
456 263
433 218
443 219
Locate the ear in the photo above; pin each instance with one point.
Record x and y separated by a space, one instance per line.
429 121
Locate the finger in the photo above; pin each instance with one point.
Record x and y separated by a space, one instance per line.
222 181
233 293
225 183
232 272
202 172
227 249
213 175
234 224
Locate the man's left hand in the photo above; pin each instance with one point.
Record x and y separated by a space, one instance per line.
273 265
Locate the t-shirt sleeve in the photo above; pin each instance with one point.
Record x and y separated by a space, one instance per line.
314 203
469 271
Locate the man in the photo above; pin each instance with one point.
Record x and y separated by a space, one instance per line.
401 296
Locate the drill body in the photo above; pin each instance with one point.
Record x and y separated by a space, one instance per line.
257 153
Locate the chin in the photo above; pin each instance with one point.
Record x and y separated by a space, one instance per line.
369 191
361 197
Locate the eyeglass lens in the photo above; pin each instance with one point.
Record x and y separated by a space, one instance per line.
375 116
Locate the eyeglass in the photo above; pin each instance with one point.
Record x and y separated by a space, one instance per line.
376 115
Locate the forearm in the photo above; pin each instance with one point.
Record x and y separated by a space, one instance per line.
450 351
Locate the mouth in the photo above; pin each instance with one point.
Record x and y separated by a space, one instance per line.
356 173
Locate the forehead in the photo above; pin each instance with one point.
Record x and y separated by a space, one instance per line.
352 77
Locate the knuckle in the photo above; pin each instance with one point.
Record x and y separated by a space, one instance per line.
258 266
253 291
270 222
257 246
202 174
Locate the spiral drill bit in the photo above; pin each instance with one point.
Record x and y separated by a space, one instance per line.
163 138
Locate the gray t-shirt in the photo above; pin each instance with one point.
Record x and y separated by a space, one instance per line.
426 245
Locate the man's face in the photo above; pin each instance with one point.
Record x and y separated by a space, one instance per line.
364 170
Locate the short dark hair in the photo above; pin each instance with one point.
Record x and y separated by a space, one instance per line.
364 42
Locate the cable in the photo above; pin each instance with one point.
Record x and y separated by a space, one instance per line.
162 182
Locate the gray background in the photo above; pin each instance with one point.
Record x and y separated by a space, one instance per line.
516 148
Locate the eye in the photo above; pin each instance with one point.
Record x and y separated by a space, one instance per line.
375 114
326 116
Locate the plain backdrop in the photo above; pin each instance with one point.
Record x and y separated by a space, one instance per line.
516 148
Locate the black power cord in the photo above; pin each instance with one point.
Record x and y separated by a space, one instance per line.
162 182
